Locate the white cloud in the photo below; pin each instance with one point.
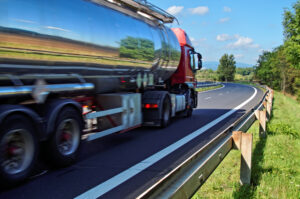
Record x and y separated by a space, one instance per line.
197 42
223 20
24 21
201 10
238 41
56 28
255 59
238 56
174 10
261 50
242 43
224 37
226 9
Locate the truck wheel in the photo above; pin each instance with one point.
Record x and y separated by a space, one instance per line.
189 111
166 113
18 149
63 146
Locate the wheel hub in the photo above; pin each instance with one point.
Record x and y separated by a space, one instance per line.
68 136
14 150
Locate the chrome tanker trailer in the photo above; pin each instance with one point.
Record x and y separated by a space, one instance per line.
84 69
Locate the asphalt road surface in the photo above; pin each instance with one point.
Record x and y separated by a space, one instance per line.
125 165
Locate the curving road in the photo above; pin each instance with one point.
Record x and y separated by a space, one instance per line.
124 165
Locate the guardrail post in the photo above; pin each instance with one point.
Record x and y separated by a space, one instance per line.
246 158
270 102
261 117
236 136
243 142
271 93
266 105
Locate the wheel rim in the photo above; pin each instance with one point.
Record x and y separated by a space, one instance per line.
68 136
18 151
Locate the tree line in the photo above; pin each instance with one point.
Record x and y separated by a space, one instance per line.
280 68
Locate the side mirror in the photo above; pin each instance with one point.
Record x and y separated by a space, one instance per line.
199 61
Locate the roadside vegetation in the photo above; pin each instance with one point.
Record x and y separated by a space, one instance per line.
241 75
206 75
280 68
209 88
275 160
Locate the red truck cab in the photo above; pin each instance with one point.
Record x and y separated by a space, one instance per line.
190 61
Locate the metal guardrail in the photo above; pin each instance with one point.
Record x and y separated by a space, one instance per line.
207 84
187 178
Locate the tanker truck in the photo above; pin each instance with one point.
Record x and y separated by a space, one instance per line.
84 69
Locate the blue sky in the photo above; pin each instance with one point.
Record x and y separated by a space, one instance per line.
243 28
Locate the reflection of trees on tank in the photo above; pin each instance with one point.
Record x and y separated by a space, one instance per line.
137 48
174 53
165 50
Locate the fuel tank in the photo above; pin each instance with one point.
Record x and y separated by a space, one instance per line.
112 48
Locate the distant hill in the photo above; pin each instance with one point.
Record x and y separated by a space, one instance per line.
214 65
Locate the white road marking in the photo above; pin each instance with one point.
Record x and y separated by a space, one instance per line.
220 93
118 179
207 98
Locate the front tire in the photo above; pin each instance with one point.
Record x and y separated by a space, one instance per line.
18 149
189 110
63 146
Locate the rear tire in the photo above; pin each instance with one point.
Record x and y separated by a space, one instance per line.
166 113
63 145
18 149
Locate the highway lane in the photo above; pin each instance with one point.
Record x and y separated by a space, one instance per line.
105 158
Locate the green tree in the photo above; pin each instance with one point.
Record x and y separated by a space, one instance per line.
245 71
280 69
226 68
268 70
244 74
291 25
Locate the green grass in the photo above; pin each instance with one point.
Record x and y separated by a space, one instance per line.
275 160
208 88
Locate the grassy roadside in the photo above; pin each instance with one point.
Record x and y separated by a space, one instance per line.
275 161
208 88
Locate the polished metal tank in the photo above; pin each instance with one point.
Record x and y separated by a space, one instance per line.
84 39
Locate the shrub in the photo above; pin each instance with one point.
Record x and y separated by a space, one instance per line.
282 128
